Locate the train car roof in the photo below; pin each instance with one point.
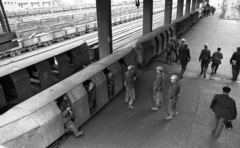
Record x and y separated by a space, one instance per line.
45 97
13 64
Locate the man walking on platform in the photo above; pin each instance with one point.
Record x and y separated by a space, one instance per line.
170 50
174 94
158 86
184 56
205 58
216 60
235 62
129 84
224 108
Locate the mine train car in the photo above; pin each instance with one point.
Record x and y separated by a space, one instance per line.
30 12
67 18
50 30
37 121
45 36
58 31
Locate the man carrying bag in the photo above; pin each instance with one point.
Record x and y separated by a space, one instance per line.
225 110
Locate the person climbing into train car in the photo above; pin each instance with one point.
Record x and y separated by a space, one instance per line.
184 57
110 80
129 84
205 58
170 49
68 117
173 94
158 86
235 62
216 60
92 96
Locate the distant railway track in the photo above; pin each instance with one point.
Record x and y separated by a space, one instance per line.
120 32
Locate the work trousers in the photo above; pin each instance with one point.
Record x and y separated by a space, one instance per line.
235 72
214 67
158 98
172 107
204 67
169 57
218 126
183 66
71 126
130 95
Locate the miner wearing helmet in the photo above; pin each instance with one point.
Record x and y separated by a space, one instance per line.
158 86
205 58
174 94
184 56
129 84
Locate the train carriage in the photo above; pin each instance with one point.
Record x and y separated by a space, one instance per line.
45 39
59 35
70 32
81 29
29 44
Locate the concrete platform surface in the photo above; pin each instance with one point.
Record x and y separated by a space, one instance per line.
116 126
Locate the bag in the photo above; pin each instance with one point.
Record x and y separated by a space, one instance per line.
234 62
228 124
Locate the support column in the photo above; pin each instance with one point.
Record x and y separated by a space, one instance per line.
180 9
193 5
147 16
188 4
104 27
168 12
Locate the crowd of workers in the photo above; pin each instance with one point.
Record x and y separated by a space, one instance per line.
208 10
179 51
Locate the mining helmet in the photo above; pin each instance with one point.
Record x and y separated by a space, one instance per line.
130 67
205 45
183 40
159 68
174 77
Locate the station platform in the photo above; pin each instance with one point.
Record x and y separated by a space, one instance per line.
117 126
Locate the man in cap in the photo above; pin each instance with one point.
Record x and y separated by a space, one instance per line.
184 56
158 86
129 84
216 60
235 62
170 50
205 58
224 108
174 94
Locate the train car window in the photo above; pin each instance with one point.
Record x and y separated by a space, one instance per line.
70 59
8 88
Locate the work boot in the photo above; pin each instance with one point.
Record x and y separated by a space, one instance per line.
131 107
169 118
204 75
155 108
79 134
212 73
